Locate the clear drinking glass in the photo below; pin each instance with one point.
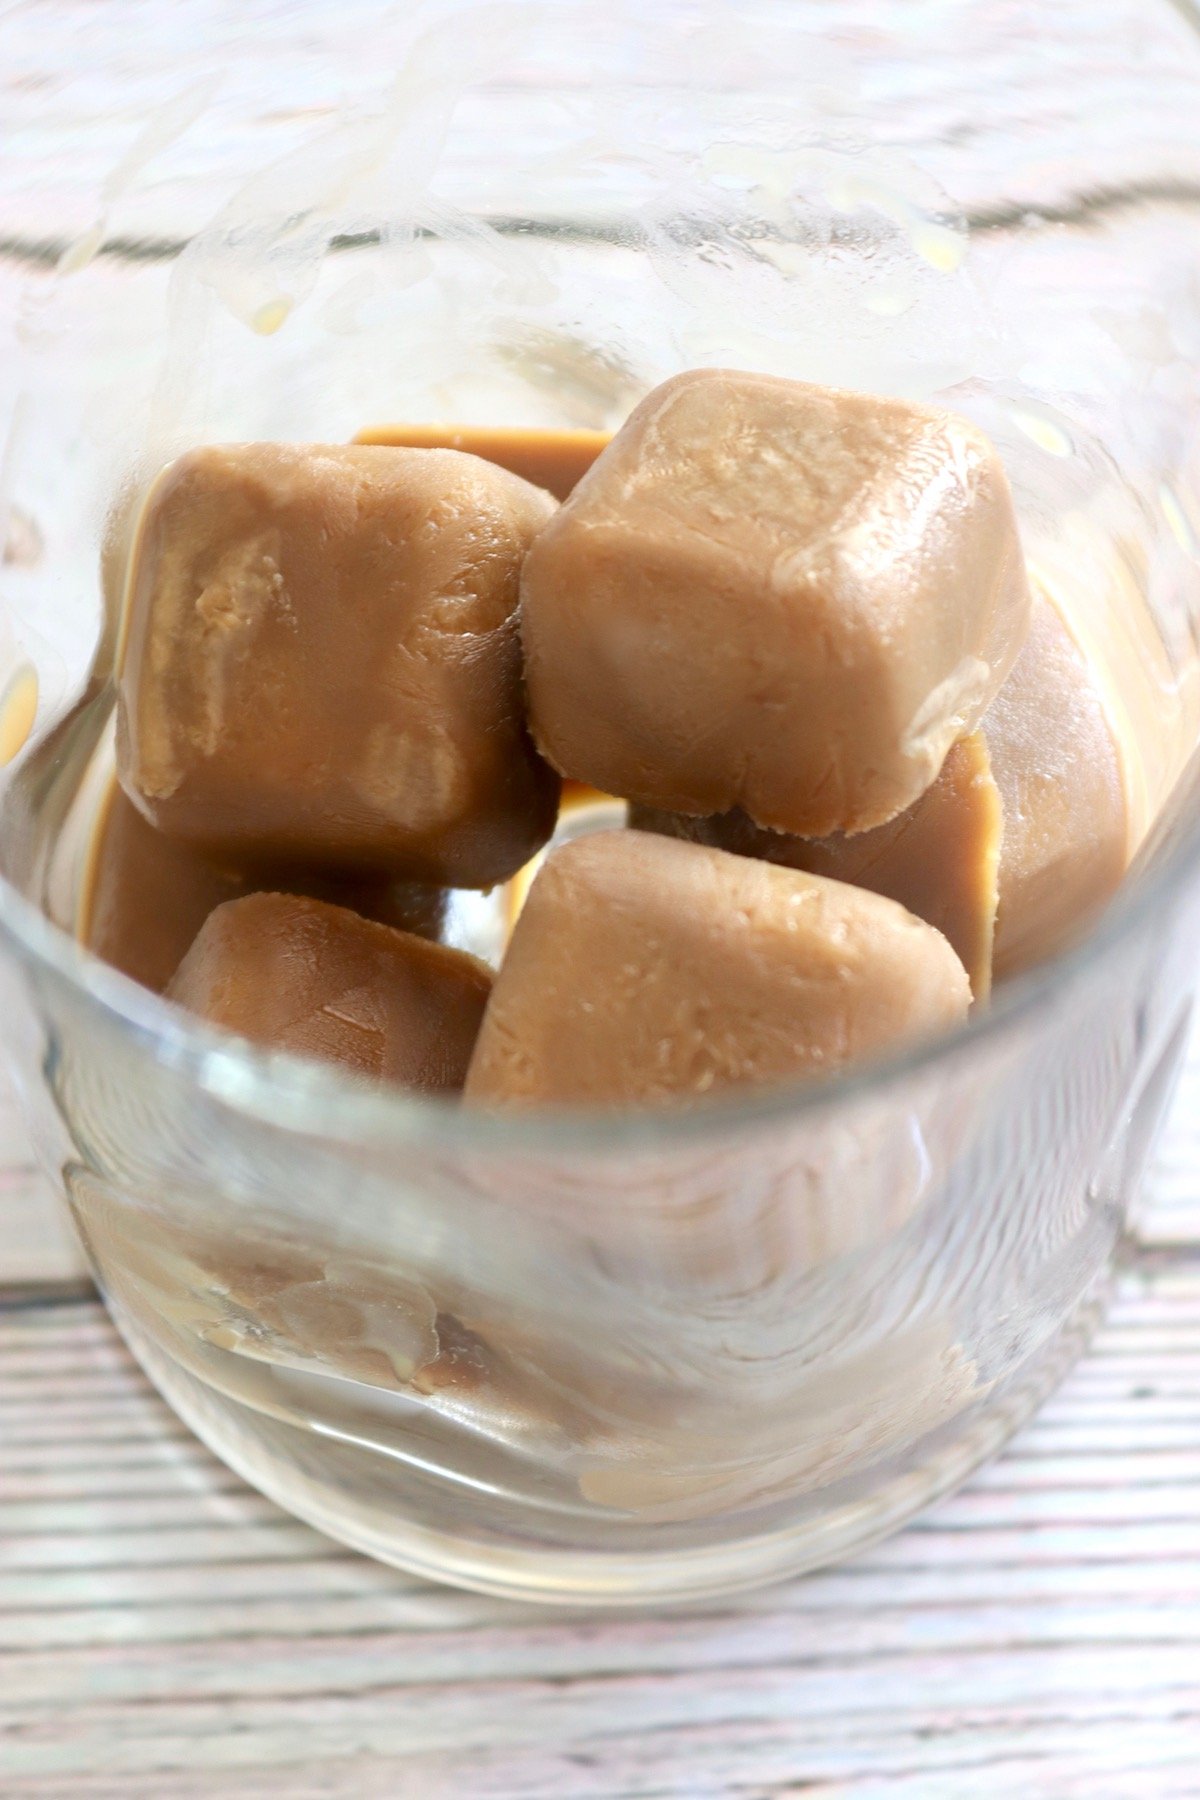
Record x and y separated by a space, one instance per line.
597 1357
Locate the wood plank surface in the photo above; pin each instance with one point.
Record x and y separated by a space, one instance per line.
166 1632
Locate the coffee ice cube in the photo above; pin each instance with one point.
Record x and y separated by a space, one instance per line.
553 458
317 980
146 895
644 970
940 858
1061 779
773 596
321 662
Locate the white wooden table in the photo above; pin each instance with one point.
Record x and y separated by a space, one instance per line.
165 1632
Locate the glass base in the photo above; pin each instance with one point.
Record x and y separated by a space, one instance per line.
339 1487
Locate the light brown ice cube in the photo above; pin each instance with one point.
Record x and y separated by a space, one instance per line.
773 596
645 970
321 662
1066 820
940 858
317 980
1015 847
552 458
146 895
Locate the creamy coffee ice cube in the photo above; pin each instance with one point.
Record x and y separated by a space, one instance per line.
1018 843
553 458
321 662
1060 774
645 970
317 980
773 596
146 895
940 858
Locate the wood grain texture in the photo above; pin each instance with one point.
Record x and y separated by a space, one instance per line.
36 1241
166 1632
163 1631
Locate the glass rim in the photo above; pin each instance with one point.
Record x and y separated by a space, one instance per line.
316 1099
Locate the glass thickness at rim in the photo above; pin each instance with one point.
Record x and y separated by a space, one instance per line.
309 1098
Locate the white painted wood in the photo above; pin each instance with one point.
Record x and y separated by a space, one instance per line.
36 1241
165 1632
